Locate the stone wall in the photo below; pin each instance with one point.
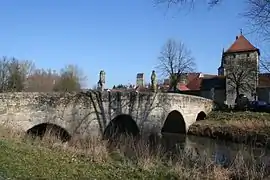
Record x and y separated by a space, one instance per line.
219 97
89 113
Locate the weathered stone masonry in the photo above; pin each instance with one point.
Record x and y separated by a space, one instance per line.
89 113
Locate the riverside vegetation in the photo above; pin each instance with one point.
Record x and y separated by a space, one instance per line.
22 157
242 127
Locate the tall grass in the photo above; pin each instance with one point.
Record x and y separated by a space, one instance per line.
130 158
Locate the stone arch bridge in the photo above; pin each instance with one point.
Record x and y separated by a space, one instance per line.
96 113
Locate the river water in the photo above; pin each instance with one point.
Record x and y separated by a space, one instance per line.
221 152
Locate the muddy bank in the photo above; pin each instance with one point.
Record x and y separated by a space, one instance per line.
245 127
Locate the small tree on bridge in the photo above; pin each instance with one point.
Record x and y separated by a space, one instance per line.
175 61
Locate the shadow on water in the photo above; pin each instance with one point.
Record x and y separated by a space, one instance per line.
220 152
123 132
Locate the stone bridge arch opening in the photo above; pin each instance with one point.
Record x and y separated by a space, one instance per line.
54 130
121 125
201 116
174 123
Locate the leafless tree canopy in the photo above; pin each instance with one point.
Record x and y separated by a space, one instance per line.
241 74
258 13
41 80
174 61
13 74
21 75
184 3
71 79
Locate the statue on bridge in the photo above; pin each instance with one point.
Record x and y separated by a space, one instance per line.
154 81
101 82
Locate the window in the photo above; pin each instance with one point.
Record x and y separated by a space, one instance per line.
247 54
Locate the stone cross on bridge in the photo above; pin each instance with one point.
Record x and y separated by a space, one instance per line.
101 113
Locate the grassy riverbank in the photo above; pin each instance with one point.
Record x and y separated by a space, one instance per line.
245 127
22 158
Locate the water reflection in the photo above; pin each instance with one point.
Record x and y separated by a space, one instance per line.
221 152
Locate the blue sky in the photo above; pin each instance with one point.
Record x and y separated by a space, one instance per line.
122 37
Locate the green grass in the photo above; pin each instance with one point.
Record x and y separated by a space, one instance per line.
226 117
24 161
243 120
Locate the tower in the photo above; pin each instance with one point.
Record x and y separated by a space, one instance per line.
240 66
221 69
140 80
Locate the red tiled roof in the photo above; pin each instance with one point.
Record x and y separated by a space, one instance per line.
194 81
241 44
182 87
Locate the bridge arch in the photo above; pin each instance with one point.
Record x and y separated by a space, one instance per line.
121 125
42 129
201 116
174 123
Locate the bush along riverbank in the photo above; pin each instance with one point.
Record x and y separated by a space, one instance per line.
241 127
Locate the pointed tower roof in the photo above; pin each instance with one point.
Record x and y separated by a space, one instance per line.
241 44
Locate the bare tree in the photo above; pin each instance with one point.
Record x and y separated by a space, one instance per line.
42 81
185 3
241 75
4 71
18 73
13 73
71 79
175 61
257 12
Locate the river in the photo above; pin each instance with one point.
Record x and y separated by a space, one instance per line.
221 152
